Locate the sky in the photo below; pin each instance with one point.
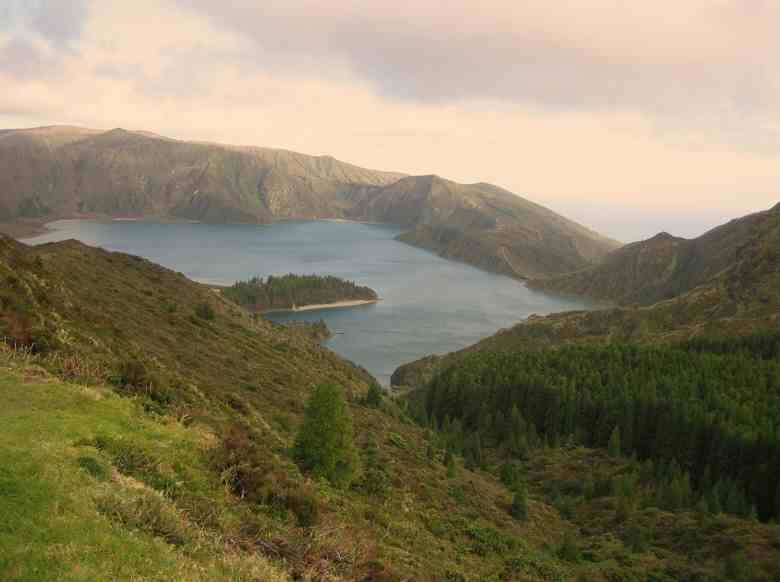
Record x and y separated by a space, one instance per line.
631 117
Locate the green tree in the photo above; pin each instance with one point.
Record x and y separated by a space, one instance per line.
325 444
614 443
374 396
449 462
519 508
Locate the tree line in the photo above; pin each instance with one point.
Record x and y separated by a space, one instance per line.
288 291
705 414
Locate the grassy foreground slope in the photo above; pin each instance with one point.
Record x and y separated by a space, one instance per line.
73 512
95 486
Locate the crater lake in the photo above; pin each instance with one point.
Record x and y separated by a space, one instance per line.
429 305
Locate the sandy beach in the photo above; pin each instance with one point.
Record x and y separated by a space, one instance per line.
317 306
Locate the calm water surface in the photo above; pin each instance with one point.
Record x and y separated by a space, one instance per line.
429 305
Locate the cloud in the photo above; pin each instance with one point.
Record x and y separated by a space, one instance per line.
699 63
36 35
668 108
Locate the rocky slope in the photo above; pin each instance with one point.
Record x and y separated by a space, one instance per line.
661 267
54 172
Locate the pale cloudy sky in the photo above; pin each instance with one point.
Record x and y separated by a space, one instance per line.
632 117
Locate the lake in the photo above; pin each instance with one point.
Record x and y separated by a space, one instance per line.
429 305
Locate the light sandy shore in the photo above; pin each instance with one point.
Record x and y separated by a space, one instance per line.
317 306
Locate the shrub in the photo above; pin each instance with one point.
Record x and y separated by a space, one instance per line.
205 311
93 467
568 549
304 505
519 509
131 459
148 512
374 396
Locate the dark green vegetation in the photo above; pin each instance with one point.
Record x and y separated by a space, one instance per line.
711 409
55 172
291 291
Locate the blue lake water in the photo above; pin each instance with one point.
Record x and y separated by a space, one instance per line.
429 305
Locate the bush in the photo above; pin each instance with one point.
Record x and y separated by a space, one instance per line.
93 467
304 505
374 396
258 478
205 311
568 549
131 459
519 509
148 512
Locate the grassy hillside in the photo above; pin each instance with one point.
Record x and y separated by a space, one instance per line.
55 172
73 498
664 266
485 226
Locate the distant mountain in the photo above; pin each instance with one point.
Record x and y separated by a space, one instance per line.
738 293
661 267
54 172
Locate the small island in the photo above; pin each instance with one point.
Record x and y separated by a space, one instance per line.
298 293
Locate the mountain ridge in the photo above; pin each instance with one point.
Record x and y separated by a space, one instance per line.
62 171
661 267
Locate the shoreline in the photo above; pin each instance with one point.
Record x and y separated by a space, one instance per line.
323 306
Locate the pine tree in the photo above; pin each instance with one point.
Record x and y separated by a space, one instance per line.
449 462
509 474
519 508
430 453
374 399
325 444
614 443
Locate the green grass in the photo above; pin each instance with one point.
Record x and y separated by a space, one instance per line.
67 512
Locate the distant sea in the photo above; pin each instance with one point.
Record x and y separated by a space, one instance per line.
429 305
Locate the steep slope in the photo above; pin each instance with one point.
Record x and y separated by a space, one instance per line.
484 225
123 173
742 298
662 267
63 172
